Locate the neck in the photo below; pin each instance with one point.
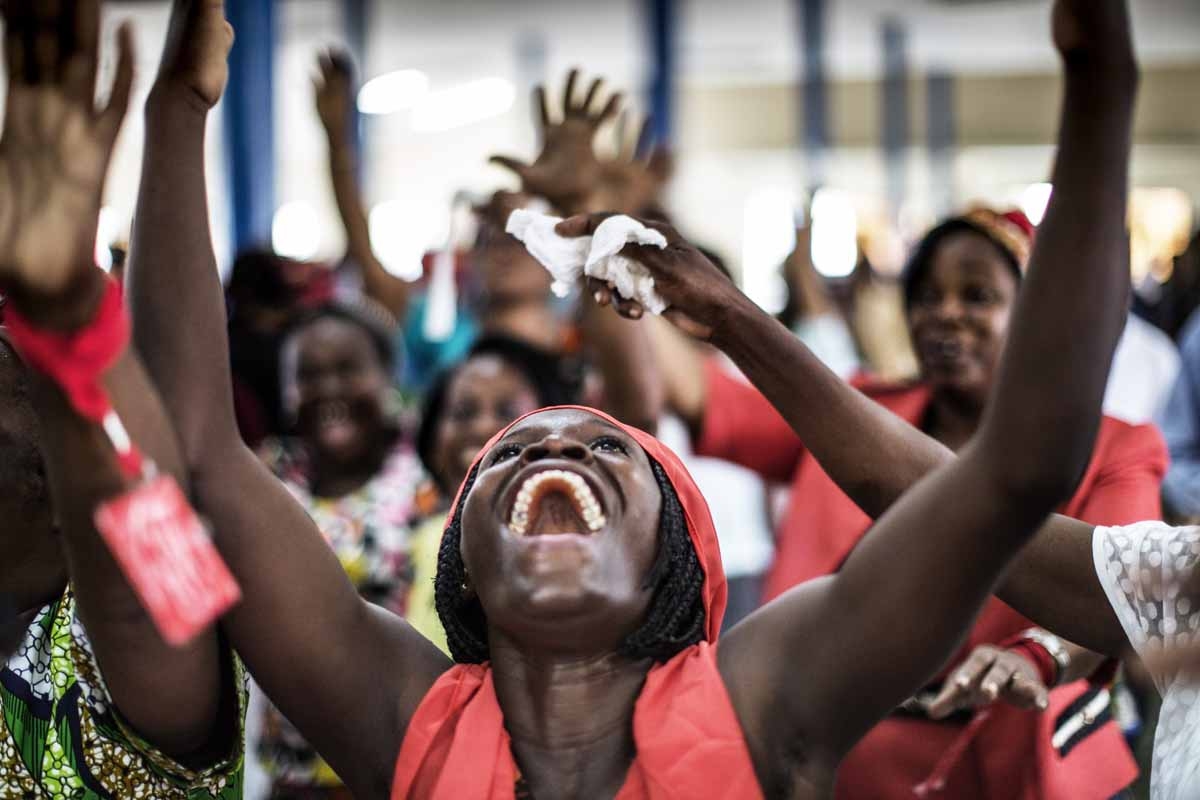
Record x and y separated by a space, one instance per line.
332 478
570 718
953 418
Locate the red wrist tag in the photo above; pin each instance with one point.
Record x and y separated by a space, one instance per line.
162 547
76 360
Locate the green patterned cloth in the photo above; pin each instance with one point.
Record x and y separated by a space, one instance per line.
61 738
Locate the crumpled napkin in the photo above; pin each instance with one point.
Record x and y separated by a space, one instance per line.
596 256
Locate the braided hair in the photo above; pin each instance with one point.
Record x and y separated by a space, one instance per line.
676 617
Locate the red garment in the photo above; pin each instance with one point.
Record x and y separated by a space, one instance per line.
688 739
822 525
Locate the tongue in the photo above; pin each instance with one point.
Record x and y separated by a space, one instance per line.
555 512
337 434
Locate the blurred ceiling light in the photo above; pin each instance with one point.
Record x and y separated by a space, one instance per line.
403 230
1034 201
296 231
393 91
108 233
768 237
834 233
462 105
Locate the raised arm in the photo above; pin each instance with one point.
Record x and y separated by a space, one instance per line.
300 621
54 155
335 106
938 552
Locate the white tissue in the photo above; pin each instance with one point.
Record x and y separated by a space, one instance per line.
596 256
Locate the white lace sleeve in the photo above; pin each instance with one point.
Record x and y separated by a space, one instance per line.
1142 568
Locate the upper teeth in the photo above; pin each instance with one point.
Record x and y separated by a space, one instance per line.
585 499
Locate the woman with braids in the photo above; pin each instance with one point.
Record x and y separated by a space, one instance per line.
500 380
586 571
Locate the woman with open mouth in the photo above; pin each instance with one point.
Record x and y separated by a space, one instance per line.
579 578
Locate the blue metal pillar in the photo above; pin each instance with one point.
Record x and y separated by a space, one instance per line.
354 19
814 97
662 18
895 111
942 126
250 122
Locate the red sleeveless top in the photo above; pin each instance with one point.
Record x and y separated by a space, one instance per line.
688 740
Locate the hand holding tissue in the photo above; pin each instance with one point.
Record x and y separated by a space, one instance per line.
597 256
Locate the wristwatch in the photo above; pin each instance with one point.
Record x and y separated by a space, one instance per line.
1055 647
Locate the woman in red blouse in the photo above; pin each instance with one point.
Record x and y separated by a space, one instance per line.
961 286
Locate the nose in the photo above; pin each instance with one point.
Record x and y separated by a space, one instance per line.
948 309
556 446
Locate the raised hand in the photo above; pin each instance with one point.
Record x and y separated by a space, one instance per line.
698 295
54 152
195 58
567 170
632 182
990 674
334 90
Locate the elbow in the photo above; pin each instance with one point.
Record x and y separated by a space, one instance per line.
1042 477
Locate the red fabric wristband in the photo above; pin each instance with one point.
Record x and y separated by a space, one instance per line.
77 360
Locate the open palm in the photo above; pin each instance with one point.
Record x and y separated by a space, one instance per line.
55 148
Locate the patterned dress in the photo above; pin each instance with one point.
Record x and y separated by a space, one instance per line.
61 738
370 531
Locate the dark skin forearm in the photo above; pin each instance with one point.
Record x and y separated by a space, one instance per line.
875 457
172 696
381 285
623 352
962 524
300 620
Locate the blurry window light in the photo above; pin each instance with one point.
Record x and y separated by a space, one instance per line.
393 91
1034 201
402 231
108 233
768 238
295 231
834 233
462 105
1160 225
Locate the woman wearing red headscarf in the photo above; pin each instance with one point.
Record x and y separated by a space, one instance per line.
579 579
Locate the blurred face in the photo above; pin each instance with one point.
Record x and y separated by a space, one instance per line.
560 532
960 313
338 390
506 270
485 395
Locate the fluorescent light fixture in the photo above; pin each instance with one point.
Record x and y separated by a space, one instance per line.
834 233
768 236
403 230
464 104
393 91
295 231
1034 201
